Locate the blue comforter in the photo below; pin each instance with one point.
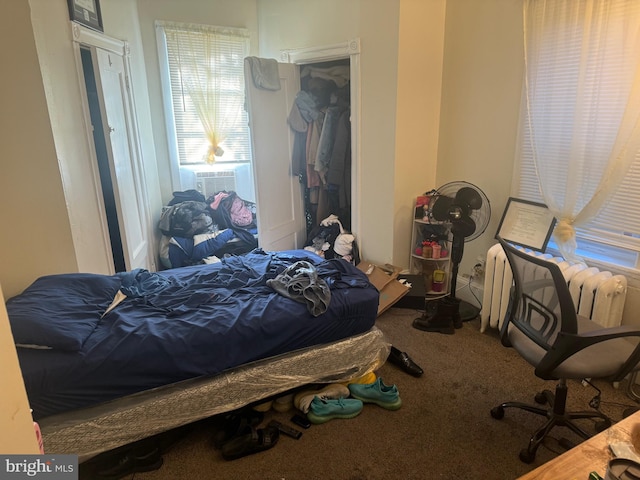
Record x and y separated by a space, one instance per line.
173 325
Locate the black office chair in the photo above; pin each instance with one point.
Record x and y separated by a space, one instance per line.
543 327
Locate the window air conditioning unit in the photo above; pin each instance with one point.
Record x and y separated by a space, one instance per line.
210 183
237 178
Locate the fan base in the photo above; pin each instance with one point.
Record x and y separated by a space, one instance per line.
468 311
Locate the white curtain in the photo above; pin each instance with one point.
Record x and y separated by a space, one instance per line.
203 53
582 91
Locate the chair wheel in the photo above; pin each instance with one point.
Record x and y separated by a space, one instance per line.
602 425
497 412
544 397
566 443
526 456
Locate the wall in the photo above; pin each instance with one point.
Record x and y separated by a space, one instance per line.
481 85
36 235
418 97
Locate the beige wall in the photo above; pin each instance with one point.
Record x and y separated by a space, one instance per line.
481 85
420 57
36 236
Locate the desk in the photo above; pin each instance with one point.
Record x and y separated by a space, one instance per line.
592 455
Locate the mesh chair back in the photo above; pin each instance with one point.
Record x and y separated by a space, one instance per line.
541 304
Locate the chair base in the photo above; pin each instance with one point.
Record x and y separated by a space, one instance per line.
556 416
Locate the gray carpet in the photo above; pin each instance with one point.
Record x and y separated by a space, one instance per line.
443 430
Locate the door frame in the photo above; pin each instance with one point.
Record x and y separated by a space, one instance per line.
85 37
351 50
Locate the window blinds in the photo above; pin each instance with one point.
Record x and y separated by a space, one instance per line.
220 52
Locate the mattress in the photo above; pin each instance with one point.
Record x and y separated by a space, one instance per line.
186 323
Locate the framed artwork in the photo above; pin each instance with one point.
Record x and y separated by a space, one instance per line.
525 223
87 13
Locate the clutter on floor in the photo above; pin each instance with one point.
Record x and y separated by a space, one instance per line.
238 434
385 279
330 240
251 429
404 361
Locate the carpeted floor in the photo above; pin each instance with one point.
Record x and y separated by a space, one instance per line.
444 429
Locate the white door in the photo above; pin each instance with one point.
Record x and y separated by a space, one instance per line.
114 104
280 209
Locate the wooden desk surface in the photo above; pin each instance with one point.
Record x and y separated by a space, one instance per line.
592 455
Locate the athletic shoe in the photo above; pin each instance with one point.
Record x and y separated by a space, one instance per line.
368 378
321 410
377 392
303 400
263 407
283 404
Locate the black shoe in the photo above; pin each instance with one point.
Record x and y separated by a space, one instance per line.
434 325
402 360
130 463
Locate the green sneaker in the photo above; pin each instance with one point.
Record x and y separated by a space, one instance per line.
322 410
377 392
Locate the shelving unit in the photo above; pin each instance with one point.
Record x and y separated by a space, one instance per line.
436 271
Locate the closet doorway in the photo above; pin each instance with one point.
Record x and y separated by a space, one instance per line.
285 207
325 162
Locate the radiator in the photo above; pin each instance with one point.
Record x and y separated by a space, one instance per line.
598 295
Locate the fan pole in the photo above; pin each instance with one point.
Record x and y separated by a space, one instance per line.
457 250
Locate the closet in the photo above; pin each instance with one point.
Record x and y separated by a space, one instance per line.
321 120
289 204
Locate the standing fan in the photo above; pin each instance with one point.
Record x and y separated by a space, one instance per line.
466 209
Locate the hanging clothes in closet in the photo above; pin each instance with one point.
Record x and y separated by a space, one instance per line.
320 120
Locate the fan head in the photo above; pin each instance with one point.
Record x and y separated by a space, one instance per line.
464 206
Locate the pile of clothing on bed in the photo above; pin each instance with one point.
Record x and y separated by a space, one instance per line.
196 230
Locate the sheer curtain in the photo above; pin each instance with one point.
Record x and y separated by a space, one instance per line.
203 54
582 100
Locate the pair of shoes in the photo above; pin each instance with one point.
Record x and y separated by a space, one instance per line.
402 360
368 378
284 403
322 410
263 407
302 401
445 320
232 424
385 396
250 441
131 463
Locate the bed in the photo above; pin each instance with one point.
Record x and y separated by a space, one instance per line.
109 360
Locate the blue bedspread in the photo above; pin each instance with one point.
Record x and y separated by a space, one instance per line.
174 325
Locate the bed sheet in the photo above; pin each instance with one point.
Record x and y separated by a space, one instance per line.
198 322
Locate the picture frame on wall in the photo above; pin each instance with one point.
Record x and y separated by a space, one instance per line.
525 223
87 13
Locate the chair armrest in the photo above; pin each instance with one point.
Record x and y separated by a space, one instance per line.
568 344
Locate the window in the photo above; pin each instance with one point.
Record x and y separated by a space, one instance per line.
579 118
205 72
